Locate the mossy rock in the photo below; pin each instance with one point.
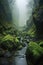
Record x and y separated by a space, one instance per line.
36 49
34 52
2 52
8 42
41 44
20 47
8 37
32 31
11 38
16 40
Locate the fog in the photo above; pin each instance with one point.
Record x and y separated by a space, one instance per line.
24 12
21 4
21 11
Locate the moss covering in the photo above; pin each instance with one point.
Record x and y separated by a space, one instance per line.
34 52
41 44
10 42
16 40
35 49
32 31
8 37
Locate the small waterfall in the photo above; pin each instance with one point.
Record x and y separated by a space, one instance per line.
21 11
24 11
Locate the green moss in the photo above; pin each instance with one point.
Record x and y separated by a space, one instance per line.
20 47
35 49
34 52
11 38
41 44
8 37
10 42
31 32
16 40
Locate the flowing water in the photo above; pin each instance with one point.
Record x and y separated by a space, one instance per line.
20 57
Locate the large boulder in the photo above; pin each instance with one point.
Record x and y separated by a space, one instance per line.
34 52
9 42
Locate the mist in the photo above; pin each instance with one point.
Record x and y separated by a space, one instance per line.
21 11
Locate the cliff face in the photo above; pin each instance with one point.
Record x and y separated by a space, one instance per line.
38 18
36 3
5 17
40 2
5 12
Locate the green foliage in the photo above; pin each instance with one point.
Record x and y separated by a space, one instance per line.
20 47
41 43
35 15
8 37
16 40
35 49
34 52
38 20
31 32
9 42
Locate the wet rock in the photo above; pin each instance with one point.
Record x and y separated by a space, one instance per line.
1 52
7 54
4 61
22 56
